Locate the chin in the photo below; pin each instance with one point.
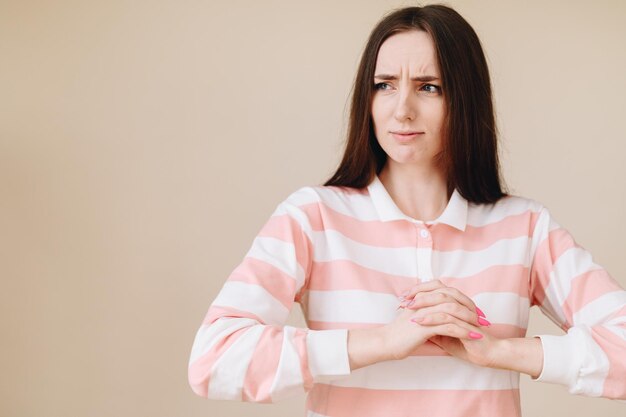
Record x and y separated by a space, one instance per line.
410 159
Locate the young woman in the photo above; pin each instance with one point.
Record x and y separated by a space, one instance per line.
414 269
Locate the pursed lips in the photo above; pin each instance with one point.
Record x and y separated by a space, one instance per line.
405 135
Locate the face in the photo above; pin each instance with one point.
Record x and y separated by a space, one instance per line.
408 109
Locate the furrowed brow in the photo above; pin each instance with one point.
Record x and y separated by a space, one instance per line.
421 78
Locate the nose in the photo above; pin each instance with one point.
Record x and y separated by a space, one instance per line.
406 106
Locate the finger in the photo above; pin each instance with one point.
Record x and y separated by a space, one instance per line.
456 294
460 297
427 286
450 326
457 310
453 330
423 286
429 299
438 340
453 309
437 285
481 318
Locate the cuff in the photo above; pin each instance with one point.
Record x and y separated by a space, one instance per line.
328 353
563 357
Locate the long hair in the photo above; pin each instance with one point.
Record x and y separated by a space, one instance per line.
470 150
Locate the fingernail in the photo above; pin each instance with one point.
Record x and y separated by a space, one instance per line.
404 293
410 303
483 321
417 319
475 335
480 313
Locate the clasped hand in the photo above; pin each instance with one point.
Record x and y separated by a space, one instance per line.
446 317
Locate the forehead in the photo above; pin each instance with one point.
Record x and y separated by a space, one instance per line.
412 50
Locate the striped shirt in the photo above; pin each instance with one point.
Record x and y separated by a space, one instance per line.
345 255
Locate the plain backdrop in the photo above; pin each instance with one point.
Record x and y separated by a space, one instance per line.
144 143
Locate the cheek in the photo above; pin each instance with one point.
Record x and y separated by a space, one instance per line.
376 112
436 117
380 114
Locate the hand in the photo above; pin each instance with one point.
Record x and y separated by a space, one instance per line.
438 305
435 292
405 334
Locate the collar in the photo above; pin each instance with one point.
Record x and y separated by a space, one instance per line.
454 215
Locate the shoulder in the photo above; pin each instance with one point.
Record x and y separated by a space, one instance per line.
325 195
507 208
324 203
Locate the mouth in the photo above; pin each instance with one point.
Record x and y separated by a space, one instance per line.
404 136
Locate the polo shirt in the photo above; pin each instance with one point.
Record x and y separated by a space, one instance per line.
346 254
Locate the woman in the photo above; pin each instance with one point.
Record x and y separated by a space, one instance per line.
414 270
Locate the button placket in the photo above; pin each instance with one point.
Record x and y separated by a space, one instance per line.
424 252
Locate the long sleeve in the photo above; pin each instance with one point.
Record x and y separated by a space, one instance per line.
243 350
588 304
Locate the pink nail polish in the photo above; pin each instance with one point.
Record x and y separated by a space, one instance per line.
475 335
480 313
483 322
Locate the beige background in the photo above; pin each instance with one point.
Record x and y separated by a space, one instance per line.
144 143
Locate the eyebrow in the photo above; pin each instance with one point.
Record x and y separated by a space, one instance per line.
422 78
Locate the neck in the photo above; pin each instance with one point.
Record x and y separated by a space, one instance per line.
419 192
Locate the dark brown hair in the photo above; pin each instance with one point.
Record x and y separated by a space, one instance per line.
470 153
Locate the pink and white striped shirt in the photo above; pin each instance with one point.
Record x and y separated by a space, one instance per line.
346 254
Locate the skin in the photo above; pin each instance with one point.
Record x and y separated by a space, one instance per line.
402 103
409 98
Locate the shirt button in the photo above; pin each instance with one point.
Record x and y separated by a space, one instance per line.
424 233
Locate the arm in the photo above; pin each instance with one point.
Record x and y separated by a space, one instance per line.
575 293
456 319
519 354
366 347
516 354
243 351
559 267
586 302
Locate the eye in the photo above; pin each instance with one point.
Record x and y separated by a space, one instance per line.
431 88
382 86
